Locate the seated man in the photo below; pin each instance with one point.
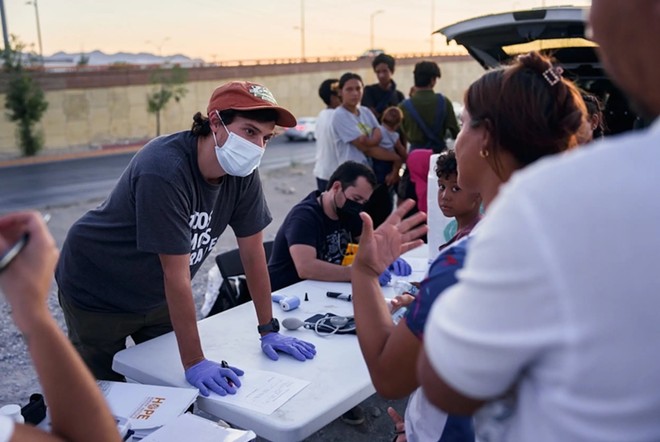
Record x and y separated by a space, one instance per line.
313 241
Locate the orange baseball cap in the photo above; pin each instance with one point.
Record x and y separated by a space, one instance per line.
245 96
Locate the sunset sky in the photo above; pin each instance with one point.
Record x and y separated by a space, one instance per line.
221 30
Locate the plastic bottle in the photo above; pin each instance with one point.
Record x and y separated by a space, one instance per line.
13 411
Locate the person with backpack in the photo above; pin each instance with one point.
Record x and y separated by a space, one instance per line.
427 119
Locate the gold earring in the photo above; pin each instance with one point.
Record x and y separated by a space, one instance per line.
483 153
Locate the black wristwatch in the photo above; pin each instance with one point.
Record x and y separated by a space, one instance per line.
272 326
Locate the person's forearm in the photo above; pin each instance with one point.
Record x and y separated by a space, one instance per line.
184 321
323 271
75 404
391 368
381 153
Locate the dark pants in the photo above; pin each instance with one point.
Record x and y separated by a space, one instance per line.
322 185
98 336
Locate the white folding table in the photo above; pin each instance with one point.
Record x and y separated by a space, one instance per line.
338 376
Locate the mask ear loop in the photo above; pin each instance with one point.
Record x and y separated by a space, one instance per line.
221 122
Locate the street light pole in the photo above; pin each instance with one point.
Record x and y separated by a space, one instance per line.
36 13
5 32
432 24
159 46
302 29
371 34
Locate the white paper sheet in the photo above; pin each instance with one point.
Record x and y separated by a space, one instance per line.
191 427
263 391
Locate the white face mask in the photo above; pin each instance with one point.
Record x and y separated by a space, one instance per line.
238 156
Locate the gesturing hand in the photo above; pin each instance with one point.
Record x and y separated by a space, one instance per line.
380 248
208 375
274 342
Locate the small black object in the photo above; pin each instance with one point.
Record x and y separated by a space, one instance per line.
306 297
35 411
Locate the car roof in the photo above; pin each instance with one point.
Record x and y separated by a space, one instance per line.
558 31
494 39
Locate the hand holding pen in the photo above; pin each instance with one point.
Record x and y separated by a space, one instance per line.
27 256
210 376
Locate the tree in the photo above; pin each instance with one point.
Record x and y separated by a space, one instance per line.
169 85
25 100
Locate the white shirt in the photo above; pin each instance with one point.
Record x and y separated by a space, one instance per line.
6 428
559 298
326 154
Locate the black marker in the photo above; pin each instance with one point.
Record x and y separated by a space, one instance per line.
344 296
224 364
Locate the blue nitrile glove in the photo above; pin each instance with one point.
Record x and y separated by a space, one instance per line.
208 375
400 267
274 342
384 278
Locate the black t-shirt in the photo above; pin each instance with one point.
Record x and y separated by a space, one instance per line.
307 224
378 99
161 205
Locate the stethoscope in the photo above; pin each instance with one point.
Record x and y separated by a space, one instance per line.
335 322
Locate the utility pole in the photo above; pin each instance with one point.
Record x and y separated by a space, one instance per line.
36 13
302 29
371 27
432 24
5 33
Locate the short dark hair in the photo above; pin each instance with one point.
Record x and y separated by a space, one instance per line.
347 174
425 72
201 125
445 165
326 90
384 58
349 76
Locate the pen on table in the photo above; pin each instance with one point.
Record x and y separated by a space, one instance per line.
343 296
224 364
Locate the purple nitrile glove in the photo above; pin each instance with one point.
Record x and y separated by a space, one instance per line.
400 267
208 375
274 342
384 278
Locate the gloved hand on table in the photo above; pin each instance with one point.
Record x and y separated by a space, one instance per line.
208 375
274 342
384 278
400 267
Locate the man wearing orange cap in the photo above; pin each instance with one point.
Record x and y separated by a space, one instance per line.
126 266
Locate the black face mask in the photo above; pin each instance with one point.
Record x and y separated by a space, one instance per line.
350 213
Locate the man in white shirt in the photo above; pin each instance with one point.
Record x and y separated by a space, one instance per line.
327 159
557 306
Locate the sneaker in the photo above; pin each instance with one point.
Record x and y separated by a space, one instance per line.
354 416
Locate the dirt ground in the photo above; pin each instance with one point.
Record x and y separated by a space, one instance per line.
283 187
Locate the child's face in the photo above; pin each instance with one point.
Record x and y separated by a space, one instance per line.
453 201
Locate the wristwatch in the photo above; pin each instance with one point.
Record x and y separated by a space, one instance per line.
272 326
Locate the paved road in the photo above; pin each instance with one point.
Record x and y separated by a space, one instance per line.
65 182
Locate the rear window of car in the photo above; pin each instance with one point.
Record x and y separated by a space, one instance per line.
549 44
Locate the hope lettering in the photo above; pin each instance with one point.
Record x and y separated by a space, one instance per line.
150 408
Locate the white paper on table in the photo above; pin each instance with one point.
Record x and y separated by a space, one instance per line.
263 391
191 427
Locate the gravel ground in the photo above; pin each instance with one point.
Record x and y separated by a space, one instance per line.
284 188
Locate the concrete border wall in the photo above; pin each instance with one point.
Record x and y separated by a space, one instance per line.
100 108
